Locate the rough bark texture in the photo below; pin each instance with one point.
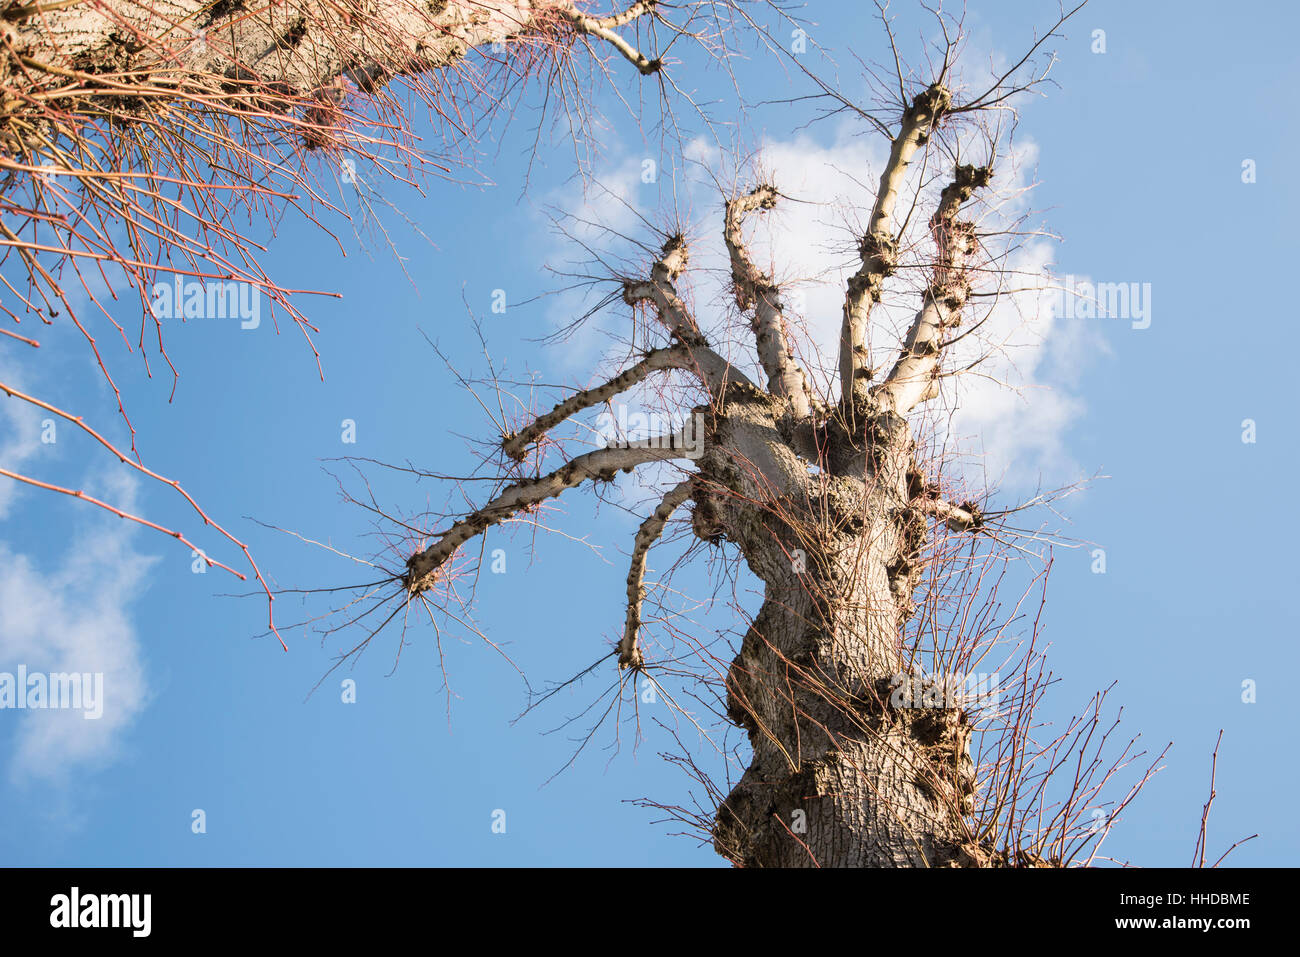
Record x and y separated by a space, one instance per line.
877 786
263 58
297 45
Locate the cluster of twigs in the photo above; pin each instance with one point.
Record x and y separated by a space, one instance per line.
142 141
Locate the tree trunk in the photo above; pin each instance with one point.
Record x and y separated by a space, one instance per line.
296 45
840 776
122 58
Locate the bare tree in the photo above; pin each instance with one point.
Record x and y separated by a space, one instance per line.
131 131
881 577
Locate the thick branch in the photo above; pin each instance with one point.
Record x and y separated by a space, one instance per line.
603 27
289 48
675 357
914 378
629 655
960 518
755 290
660 290
879 247
422 567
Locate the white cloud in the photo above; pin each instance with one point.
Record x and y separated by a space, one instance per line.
74 617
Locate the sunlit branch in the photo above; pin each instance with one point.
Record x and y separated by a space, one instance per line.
756 290
878 249
629 653
602 464
914 378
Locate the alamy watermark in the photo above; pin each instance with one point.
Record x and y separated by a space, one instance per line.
1081 299
621 429
64 691
75 909
195 299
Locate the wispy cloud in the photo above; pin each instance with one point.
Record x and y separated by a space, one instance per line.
73 615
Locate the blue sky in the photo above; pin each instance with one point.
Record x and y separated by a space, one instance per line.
1138 155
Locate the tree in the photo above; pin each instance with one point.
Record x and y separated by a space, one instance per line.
867 747
131 132
135 133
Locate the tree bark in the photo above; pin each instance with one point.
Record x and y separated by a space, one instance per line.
297 45
840 775
105 59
